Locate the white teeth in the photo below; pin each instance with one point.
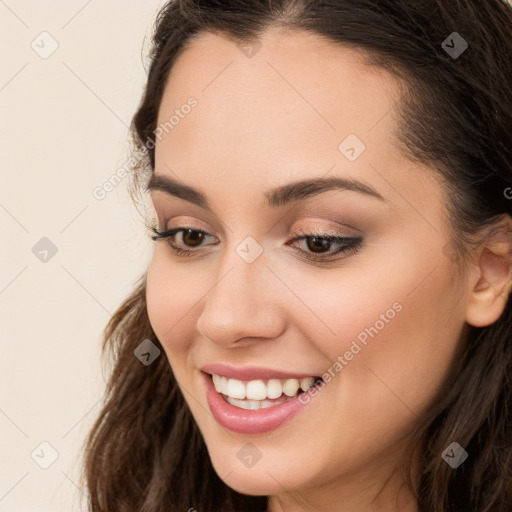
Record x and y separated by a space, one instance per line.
306 383
235 388
243 404
254 405
274 388
257 390
291 386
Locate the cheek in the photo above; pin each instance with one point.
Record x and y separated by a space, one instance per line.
171 294
393 340
341 308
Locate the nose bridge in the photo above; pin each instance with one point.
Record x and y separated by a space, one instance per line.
240 302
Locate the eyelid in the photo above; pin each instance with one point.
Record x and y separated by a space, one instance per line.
333 228
196 225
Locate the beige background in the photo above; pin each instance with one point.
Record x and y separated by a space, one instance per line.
63 132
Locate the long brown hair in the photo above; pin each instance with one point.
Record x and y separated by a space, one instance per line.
145 452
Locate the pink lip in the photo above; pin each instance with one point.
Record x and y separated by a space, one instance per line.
245 421
250 372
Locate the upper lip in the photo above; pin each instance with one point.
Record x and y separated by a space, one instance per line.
250 372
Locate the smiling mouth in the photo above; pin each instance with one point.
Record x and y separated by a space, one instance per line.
261 393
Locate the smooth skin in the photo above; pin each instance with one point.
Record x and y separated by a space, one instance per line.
265 121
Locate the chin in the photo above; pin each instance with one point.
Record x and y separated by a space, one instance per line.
252 482
264 478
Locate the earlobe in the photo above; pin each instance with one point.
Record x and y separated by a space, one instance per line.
492 280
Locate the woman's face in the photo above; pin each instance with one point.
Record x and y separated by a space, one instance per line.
380 319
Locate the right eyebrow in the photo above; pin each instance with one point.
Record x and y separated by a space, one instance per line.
177 189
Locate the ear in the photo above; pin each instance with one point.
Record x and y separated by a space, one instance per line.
491 279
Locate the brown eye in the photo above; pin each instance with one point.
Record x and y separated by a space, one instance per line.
319 247
318 244
192 237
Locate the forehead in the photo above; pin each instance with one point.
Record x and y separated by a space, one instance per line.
293 76
281 114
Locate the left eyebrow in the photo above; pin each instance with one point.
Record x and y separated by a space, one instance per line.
282 195
303 189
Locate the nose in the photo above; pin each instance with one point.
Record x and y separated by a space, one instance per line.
245 302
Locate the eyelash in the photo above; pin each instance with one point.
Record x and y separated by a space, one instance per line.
351 245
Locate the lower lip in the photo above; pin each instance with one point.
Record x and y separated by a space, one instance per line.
244 421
